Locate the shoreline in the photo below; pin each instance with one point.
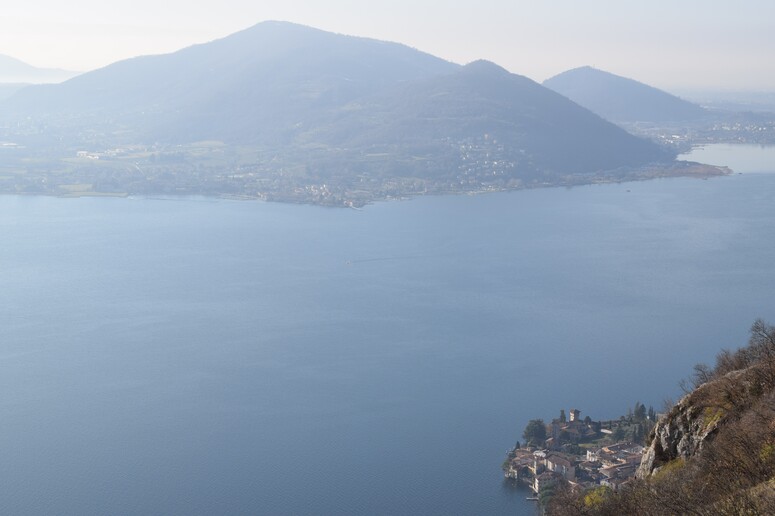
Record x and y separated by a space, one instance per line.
346 199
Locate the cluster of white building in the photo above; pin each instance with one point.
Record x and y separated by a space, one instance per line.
611 465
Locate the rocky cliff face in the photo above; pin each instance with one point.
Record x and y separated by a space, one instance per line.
678 435
694 421
714 452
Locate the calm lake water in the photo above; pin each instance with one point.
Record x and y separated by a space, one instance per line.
741 158
214 357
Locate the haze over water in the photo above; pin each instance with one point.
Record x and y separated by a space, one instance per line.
207 357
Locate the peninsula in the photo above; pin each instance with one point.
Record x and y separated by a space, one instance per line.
586 453
283 112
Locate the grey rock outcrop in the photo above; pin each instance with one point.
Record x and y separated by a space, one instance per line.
682 432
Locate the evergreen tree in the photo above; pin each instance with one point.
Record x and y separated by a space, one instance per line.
535 432
639 413
637 433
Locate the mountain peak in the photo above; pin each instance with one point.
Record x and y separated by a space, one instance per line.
280 25
485 66
620 99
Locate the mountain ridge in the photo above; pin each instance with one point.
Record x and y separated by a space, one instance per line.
255 57
483 98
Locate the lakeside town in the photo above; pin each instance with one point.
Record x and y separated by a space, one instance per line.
579 451
214 169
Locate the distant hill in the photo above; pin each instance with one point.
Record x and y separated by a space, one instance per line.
620 99
16 71
283 111
734 101
530 130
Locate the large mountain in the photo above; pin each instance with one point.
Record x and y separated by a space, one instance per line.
281 107
526 128
620 99
15 71
251 86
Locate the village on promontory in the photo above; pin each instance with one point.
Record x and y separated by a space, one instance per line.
579 451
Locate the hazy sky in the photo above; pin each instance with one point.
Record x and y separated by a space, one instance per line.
670 44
